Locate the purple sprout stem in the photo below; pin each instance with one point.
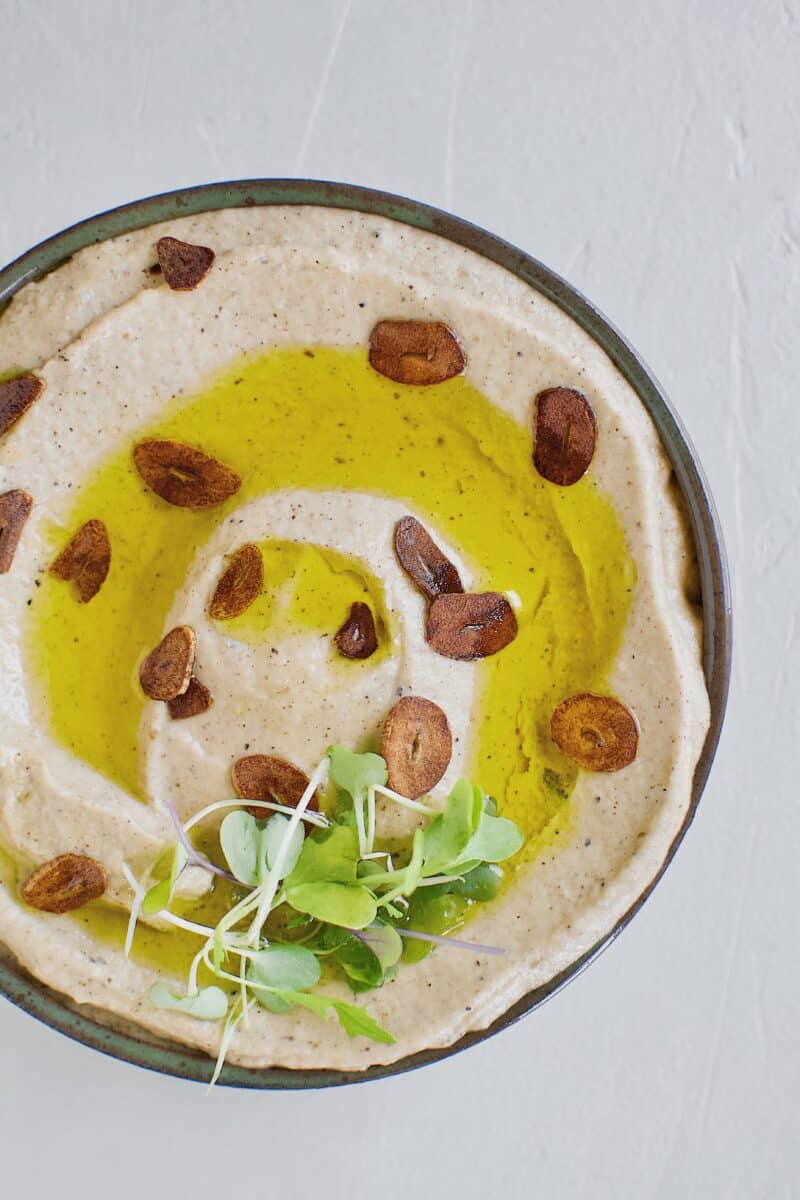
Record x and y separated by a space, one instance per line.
195 858
457 943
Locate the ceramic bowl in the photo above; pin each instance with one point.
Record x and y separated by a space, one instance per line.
133 1045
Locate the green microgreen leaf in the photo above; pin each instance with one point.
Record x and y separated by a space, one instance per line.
179 860
405 880
466 834
327 857
313 1001
449 834
356 773
291 967
354 1020
299 920
386 943
330 937
482 883
434 913
345 904
273 837
209 1004
371 869
241 841
218 953
156 898
360 962
495 839
271 1001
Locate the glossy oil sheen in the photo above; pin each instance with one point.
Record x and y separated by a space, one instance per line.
288 420
310 587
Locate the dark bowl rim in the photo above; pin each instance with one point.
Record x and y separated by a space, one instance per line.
80 1024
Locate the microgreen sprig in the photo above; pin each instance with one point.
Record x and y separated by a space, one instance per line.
328 876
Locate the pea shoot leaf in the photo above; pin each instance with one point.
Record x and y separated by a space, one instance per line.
466 834
292 967
369 870
271 1000
495 839
313 1001
241 840
482 883
354 1020
330 938
156 899
209 1004
405 880
360 962
449 834
273 839
345 904
356 773
386 943
299 920
327 857
160 894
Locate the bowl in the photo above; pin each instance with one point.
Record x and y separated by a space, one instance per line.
132 1045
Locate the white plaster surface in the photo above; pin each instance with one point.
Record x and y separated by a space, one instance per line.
649 152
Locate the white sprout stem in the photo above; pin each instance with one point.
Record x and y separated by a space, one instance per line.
243 988
243 951
180 923
371 820
376 854
404 801
220 972
238 912
358 807
381 880
138 897
193 855
313 818
242 909
170 917
230 1029
272 881
191 985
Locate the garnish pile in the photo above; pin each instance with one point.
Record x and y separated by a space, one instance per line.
315 891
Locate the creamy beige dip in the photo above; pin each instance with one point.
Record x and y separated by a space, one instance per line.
114 345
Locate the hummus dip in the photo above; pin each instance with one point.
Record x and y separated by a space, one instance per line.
263 365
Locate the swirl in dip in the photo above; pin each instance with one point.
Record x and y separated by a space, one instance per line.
264 365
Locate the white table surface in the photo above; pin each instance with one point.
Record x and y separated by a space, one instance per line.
648 152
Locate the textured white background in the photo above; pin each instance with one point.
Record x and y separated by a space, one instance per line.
649 152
